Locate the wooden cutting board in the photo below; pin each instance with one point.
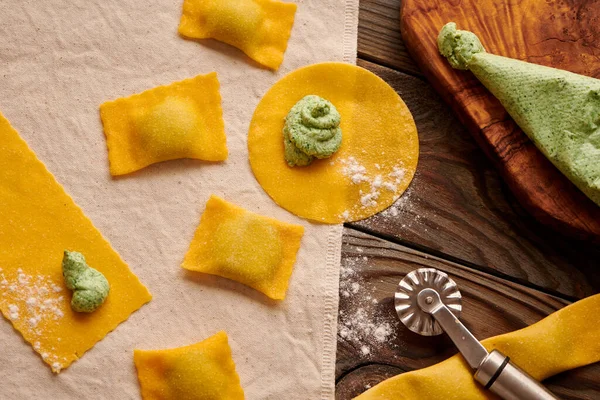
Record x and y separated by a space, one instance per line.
561 34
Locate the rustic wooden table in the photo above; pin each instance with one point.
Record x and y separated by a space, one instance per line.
457 216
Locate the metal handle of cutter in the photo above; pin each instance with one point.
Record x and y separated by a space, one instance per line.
508 381
494 370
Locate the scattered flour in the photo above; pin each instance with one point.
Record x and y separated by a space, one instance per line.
358 174
353 170
13 312
369 199
33 302
33 293
362 323
398 173
406 205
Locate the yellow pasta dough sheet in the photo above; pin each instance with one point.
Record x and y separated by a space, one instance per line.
257 251
260 28
38 221
566 339
372 168
202 371
180 120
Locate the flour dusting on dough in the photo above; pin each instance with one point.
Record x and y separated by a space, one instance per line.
38 304
358 174
13 312
353 170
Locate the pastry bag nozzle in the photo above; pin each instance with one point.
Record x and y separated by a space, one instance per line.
423 293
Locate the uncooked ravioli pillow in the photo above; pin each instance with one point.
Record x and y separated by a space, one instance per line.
180 120
202 371
260 28
257 251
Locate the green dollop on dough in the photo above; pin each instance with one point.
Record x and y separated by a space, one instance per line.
458 46
557 109
90 288
311 130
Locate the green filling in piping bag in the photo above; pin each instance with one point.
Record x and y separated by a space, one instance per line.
557 109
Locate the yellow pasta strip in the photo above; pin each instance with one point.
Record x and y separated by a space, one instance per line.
567 339
257 251
38 221
180 120
260 28
202 371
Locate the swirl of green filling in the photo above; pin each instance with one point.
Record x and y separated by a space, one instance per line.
311 130
90 288
458 46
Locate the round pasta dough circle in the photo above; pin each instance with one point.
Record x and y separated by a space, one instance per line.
374 165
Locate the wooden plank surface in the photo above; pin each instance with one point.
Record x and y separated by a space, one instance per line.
379 38
458 216
458 206
374 345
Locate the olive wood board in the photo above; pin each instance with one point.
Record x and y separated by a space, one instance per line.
559 34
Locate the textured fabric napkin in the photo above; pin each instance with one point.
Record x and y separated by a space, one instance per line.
59 60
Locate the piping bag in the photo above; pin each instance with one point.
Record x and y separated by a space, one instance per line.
566 339
558 110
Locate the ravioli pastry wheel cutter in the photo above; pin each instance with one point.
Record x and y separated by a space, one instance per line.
428 302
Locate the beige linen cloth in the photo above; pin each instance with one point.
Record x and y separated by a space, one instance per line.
59 60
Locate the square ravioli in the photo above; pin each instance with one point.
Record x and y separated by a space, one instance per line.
38 221
202 371
260 28
257 251
180 120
